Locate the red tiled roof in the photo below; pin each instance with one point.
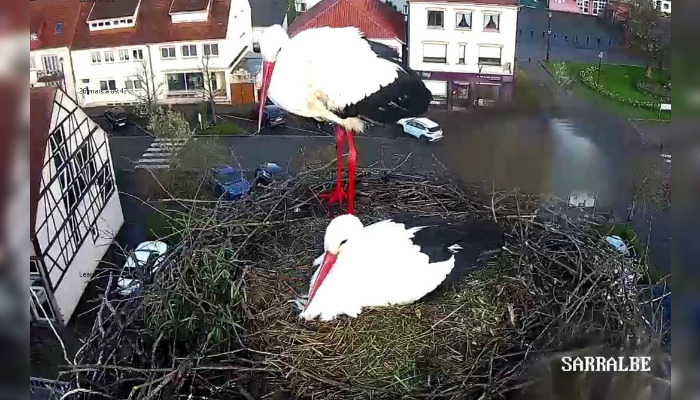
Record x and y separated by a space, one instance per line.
374 18
153 26
43 17
40 108
479 2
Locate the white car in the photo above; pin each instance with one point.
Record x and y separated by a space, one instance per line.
421 128
147 258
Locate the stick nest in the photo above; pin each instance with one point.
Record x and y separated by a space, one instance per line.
217 321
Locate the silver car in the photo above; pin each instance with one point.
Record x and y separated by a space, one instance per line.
421 128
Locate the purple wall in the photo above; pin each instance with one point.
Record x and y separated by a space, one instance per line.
460 76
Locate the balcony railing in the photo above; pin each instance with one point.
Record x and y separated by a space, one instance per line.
49 76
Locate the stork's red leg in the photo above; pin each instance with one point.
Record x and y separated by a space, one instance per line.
352 163
337 195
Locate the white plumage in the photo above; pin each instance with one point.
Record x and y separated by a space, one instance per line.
339 69
378 265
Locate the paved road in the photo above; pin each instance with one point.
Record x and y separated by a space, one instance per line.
575 37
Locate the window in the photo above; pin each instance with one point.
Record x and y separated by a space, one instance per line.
108 85
109 56
666 6
50 63
464 20
108 23
599 6
59 27
489 55
439 91
435 53
189 50
32 62
167 52
94 25
129 21
100 24
33 37
405 9
185 81
492 22
211 49
138 54
129 85
137 85
123 55
301 7
123 21
96 57
462 59
435 19
116 23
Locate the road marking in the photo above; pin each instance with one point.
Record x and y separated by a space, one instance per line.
160 153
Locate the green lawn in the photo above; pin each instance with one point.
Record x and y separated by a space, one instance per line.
620 79
224 128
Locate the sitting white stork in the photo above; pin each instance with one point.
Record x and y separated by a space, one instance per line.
337 75
393 262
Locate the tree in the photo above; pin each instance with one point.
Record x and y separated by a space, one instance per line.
146 89
646 35
209 87
165 123
292 12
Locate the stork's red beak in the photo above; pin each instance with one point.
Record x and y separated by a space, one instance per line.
328 261
266 75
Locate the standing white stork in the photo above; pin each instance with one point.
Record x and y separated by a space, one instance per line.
392 262
337 75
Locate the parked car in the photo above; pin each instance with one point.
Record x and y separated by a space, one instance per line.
266 173
229 182
421 128
274 116
116 117
144 261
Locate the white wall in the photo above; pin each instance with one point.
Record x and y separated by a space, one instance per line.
420 32
67 68
238 37
87 257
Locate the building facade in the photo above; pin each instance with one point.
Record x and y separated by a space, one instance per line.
75 207
172 49
51 33
464 50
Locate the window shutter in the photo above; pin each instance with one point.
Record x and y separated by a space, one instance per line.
489 52
434 50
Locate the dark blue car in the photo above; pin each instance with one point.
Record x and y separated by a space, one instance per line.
230 182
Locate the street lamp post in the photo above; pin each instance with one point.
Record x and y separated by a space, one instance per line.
600 60
549 33
63 75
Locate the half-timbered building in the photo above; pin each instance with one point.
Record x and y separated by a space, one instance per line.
75 208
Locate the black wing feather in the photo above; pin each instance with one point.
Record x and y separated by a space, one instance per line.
406 97
478 240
